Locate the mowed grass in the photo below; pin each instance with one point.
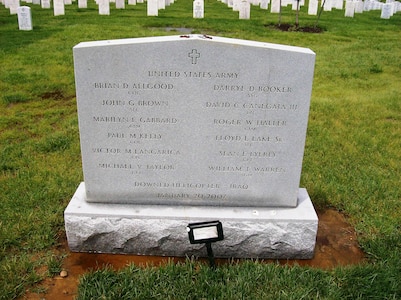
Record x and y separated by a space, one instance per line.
352 157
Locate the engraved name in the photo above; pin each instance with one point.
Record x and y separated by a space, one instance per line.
255 154
270 123
145 136
246 169
152 151
106 150
260 89
245 138
142 136
158 167
151 103
118 119
261 106
138 85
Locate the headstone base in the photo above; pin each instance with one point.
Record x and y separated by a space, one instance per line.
271 233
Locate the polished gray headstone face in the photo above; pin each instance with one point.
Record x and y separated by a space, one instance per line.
192 120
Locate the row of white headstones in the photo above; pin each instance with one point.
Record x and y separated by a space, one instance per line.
351 6
388 9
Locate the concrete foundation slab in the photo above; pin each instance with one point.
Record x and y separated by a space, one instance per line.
249 232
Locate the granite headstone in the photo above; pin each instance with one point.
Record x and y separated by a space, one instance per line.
188 127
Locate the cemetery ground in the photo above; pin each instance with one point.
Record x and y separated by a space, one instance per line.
352 161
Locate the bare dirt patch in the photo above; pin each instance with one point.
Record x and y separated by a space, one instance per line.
336 246
292 27
56 95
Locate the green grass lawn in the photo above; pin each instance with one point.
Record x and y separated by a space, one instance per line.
352 157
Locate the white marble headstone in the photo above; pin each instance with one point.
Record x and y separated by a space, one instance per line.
396 7
58 7
236 5
359 7
387 11
120 4
153 7
83 3
24 18
244 10
104 7
275 6
312 7
327 5
378 5
217 121
367 5
13 6
45 4
198 9
338 4
296 4
349 8
264 4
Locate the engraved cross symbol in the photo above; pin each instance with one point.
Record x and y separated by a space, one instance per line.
194 55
